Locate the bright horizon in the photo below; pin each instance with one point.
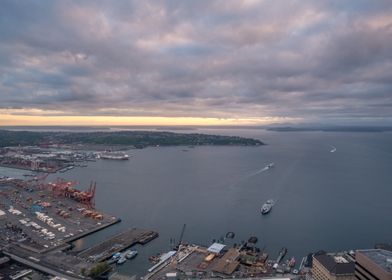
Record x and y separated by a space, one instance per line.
10 120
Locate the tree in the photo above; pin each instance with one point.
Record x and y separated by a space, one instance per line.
99 269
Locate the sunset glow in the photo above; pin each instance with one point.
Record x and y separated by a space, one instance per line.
195 62
12 120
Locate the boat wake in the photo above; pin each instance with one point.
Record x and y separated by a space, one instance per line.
257 172
245 177
268 167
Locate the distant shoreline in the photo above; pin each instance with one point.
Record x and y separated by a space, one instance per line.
331 129
136 139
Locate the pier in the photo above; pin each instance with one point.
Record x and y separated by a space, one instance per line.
117 243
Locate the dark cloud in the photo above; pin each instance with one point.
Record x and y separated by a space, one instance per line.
223 59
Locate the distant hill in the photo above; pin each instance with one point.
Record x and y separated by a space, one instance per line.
139 139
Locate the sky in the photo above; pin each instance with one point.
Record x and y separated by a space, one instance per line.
195 62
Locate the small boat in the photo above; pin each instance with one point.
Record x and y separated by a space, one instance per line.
116 256
121 260
270 165
333 149
131 254
252 239
266 208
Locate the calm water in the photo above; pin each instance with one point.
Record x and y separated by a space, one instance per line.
330 201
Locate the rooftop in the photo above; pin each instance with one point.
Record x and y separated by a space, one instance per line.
216 248
336 263
228 263
382 258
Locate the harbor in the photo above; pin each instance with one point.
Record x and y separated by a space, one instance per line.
216 196
40 220
187 140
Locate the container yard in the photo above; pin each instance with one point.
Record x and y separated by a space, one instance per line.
42 216
39 220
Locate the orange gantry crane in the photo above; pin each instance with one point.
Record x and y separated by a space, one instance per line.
67 189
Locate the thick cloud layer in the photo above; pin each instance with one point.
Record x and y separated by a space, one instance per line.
309 60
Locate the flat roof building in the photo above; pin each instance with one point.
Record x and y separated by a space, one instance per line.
333 267
228 263
216 248
373 264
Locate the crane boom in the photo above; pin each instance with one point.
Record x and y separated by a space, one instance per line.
182 234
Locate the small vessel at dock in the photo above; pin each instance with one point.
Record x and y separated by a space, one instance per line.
281 255
131 254
121 260
116 256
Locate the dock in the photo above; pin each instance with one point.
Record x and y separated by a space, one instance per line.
118 243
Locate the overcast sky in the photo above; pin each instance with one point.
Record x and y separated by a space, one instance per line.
303 61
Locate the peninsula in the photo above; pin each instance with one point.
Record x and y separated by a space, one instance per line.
137 139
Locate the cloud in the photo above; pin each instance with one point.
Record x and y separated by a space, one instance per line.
307 60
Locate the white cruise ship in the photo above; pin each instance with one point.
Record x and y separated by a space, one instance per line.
113 155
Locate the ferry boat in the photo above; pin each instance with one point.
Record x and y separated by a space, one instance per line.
266 208
270 165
